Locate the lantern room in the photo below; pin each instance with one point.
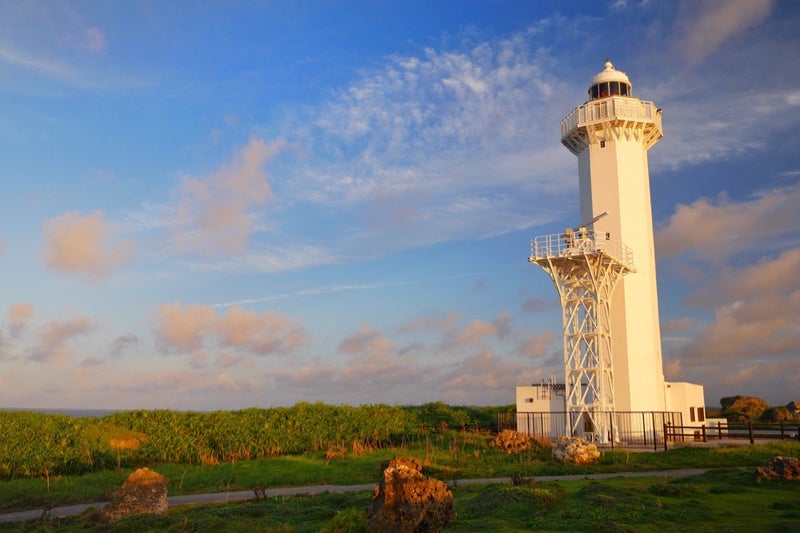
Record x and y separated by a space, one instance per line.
610 82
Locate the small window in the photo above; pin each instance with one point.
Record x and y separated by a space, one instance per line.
593 92
701 414
614 88
623 89
691 413
603 90
602 144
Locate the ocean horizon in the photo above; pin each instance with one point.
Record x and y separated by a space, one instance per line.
77 413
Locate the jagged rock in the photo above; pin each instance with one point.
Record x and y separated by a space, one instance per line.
145 491
572 450
405 501
780 467
511 441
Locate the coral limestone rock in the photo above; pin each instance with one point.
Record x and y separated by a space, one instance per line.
145 491
511 441
572 450
405 501
780 467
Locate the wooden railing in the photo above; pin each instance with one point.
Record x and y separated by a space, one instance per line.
731 430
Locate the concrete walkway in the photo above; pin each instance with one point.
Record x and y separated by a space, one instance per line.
226 497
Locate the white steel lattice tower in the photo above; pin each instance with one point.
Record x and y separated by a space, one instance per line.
585 267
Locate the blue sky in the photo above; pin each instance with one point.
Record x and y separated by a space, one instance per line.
214 205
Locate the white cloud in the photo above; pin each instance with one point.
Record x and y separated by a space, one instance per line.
84 245
196 328
214 214
715 230
19 315
53 339
433 147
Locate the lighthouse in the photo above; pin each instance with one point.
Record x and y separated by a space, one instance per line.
604 270
611 134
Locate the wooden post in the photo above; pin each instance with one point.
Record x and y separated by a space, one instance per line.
750 430
704 432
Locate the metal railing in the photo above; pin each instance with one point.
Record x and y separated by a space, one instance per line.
616 107
580 242
628 429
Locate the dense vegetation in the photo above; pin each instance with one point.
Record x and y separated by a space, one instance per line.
750 409
43 445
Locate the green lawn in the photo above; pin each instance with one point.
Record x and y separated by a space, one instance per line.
728 500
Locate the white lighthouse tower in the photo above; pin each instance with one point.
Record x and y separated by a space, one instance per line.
611 134
605 273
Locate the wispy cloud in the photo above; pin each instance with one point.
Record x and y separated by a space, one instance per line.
710 24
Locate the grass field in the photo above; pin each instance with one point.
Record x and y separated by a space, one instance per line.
726 500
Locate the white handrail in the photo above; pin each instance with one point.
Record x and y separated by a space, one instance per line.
578 243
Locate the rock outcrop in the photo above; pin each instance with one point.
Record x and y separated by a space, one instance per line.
780 467
405 501
510 441
145 491
572 450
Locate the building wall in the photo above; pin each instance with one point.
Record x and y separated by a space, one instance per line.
689 400
540 410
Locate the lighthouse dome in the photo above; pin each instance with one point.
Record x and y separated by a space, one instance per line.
610 82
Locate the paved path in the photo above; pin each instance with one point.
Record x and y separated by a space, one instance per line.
225 497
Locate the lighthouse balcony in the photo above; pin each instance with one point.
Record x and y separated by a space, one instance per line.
621 110
578 243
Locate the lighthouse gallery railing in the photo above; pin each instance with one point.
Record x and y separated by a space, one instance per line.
615 107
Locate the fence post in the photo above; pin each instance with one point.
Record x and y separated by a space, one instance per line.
781 429
750 430
655 433
611 437
704 432
665 436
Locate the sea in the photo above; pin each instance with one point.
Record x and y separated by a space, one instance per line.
77 413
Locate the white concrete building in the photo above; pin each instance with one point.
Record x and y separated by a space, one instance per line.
612 345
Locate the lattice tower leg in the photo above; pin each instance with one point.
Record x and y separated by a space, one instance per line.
585 284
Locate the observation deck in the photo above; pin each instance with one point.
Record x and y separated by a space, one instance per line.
579 243
614 111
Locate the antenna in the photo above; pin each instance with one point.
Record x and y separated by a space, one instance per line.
595 219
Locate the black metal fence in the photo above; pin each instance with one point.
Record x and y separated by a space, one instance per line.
641 429
630 429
